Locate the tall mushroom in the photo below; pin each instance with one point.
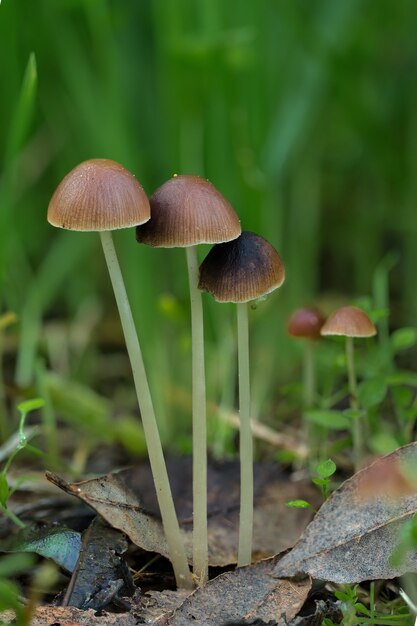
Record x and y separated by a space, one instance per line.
101 195
186 211
240 271
350 322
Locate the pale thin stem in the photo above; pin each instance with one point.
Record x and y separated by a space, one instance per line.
246 442
309 391
156 456
309 373
357 427
200 538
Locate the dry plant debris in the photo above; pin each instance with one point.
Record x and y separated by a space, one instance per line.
248 593
127 502
352 537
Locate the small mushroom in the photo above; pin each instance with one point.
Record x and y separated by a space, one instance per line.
351 322
240 271
101 195
186 211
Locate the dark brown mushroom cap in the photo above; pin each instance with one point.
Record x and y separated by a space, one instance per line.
188 210
306 322
241 270
98 194
349 321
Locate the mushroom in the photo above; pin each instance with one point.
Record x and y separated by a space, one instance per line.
240 271
306 323
186 211
101 195
350 322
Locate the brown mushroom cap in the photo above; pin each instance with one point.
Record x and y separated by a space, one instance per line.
306 323
98 194
241 270
349 321
188 210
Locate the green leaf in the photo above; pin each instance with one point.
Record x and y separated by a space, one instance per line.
9 598
30 405
15 564
402 378
371 392
333 420
362 609
326 469
22 116
320 482
403 396
4 490
298 504
383 443
403 338
353 414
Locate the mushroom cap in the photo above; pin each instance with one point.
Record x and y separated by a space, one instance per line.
241 270
98 194
306 322
188 210
349 321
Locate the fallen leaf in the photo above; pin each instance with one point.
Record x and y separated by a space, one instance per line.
113 500
156 605
127 501
352 538
70 616
101 574
248 593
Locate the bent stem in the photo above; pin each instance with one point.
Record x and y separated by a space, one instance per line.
353 391
200 538
156 456
246 442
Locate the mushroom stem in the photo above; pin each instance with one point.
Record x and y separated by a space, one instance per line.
309 374
309 392
353 391
200 537
156 457
246 442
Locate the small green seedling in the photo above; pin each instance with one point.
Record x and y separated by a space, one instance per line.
355 613
24 409
324 472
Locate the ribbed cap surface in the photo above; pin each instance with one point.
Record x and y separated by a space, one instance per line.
188 210
349 321
98 194
241 270
306 323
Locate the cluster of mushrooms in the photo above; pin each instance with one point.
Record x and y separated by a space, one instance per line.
101 195
349 322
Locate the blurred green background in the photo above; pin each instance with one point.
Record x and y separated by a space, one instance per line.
304 114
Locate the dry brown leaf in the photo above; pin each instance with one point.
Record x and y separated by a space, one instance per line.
352 537
248 593
126 500
70 616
